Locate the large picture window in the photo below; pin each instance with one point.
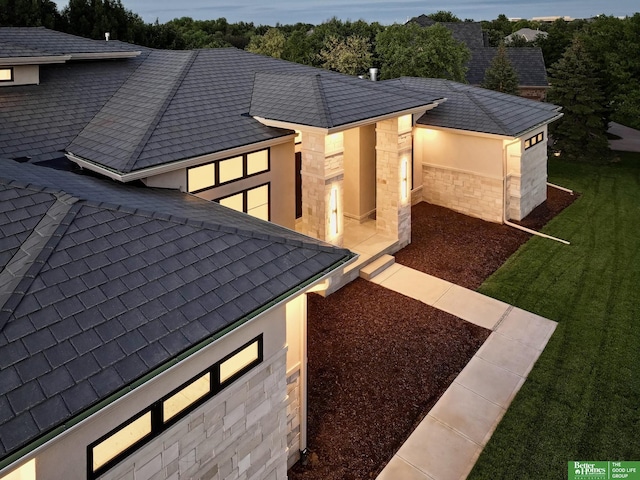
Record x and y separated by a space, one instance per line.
254 201
155 419
220 172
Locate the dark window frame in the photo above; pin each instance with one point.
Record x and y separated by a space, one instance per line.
245 195
158 425
533 141
245 169
12 75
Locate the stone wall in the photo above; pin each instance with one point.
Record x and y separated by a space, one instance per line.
241 433
528 188
464 192
293 417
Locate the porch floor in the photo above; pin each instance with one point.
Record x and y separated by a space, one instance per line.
363 239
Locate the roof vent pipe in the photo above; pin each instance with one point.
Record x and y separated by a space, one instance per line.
106 36
373 74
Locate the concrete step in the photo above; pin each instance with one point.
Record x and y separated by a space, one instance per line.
374 268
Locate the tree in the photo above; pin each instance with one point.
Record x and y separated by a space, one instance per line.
29 13
351 56
443 16
411 50
501 76
271 43
498 29
582 131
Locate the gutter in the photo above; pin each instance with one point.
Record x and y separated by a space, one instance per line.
15 61
40 442
173 166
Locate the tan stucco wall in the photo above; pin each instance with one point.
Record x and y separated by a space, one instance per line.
463 172
360 172
23 75
281 177
72 444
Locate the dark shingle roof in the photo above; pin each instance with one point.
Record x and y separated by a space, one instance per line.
15 40
118 291
528 63
325 101
479 110
469 33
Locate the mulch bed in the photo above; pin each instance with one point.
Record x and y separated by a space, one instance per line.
379 361
465 250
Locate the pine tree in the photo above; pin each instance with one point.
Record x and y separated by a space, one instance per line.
501 76
582 132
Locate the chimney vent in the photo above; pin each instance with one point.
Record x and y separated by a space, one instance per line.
106 36
373 74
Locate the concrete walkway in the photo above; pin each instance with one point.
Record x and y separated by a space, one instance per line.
447 443
629 141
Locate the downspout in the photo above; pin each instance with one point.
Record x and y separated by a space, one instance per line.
505 218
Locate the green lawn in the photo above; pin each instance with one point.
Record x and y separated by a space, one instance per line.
582 399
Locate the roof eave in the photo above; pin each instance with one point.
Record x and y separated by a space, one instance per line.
176 165
34 60
104 55
347 126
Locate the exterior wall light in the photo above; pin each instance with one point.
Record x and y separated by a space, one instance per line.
404 187
333 211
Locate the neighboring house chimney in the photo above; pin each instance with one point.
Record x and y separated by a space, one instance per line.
373 74
106 36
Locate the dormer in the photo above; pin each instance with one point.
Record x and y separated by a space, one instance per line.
21 66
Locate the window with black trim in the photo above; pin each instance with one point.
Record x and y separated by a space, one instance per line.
530 142
254 201
123 440
6 74
220 172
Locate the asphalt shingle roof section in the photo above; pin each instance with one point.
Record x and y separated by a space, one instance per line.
479 110
58 43
325 101
469 33
528 63
121 291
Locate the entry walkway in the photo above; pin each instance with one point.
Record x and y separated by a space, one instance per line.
447 443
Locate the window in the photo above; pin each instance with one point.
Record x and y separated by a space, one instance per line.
530 142
218 173
254 201
26 471
155 419
120 441
6 74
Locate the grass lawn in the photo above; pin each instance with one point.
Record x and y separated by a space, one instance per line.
582 399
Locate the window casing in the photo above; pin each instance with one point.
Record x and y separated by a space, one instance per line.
255 201
228 170
6 74
123 440
531 141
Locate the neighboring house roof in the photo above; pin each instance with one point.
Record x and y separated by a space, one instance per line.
479 110
95 295
469 33
528 33
528 63
40 41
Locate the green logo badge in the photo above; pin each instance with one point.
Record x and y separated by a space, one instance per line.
588 470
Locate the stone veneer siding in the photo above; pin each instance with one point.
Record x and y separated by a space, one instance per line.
464 192
293 417
393 213
528 189
241 433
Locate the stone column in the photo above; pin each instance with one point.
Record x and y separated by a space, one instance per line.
393 147
322 186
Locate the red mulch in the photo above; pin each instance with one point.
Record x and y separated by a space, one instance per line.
465 250
378 361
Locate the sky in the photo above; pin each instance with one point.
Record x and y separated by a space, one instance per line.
270 12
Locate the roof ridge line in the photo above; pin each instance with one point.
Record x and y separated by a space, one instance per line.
22 268
317 84
160 113
498 122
